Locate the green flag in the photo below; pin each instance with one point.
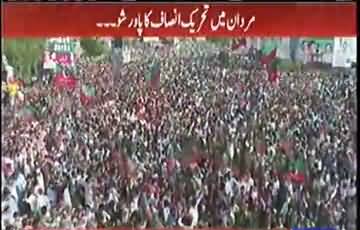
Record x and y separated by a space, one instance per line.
28 112
87 94
275 64
88 90
269 45
299 165
297 171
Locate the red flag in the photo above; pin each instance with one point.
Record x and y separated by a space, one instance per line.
298 177
273 76
268 59
191 161
87 94
86 100
63 82
272 70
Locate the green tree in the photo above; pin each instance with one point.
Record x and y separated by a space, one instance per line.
222 42
25 55
92 47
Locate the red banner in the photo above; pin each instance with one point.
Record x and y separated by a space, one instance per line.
63 58
291 19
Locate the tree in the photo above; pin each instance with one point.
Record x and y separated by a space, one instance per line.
25 55
92 47
222 42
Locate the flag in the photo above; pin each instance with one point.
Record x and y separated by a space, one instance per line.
28 113
237 43
65 82
13 87
297 169
153 78
87 94
299 165
269 58
297 178
272 70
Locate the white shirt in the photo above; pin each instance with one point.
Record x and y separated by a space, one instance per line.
52 196
193 211
43 201
12 208
13 190
351 191
254 195
195 216
228 188
134 204
231 150
32 201
40 179
166 213
21 182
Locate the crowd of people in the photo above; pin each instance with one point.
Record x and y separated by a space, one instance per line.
213 145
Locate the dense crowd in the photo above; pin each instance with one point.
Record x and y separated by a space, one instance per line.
212 146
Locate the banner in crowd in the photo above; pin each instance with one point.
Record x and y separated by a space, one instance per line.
344 52
63 82
60 53
62 44
319 50
64 58
320 43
